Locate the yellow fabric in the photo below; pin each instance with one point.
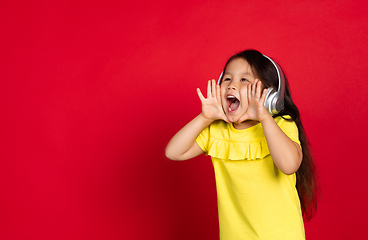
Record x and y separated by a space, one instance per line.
255 199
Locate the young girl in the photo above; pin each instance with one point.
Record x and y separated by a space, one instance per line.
265 175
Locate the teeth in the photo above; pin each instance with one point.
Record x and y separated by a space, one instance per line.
229 109
230 97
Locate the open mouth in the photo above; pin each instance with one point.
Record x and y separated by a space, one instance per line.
232 103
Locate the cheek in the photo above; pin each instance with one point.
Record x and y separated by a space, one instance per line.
244 96
222 90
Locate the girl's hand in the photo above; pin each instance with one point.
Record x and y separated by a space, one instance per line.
256 98
211 106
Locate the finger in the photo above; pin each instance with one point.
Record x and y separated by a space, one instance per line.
209 89
200 95
214 95
258 90
249 89
263 97
254 86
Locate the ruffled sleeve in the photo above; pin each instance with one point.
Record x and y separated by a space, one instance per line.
221 140
238 150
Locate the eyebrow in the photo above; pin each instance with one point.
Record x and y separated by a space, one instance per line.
243 73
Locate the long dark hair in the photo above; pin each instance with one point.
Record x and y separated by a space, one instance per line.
306 179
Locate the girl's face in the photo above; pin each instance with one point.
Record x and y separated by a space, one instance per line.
234 95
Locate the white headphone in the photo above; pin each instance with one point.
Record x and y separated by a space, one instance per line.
274 101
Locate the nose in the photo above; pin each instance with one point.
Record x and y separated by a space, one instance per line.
231 86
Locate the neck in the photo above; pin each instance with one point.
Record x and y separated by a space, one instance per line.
244 125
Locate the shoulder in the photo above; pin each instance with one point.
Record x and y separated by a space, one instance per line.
213 133
280 119
219 125
289 127
284 120
218 129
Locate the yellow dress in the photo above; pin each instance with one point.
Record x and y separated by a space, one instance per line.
255 199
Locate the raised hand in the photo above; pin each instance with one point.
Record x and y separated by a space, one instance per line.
256 98
211 106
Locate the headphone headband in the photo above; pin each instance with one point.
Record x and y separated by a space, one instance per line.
280 75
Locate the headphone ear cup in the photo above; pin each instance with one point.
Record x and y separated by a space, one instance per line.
270 96
279 104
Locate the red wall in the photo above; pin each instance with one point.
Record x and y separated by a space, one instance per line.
91 92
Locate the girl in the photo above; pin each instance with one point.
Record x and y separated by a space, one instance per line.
265 175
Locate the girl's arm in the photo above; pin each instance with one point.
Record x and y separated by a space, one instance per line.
286 154
183 146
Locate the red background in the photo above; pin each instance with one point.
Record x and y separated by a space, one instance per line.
91 93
